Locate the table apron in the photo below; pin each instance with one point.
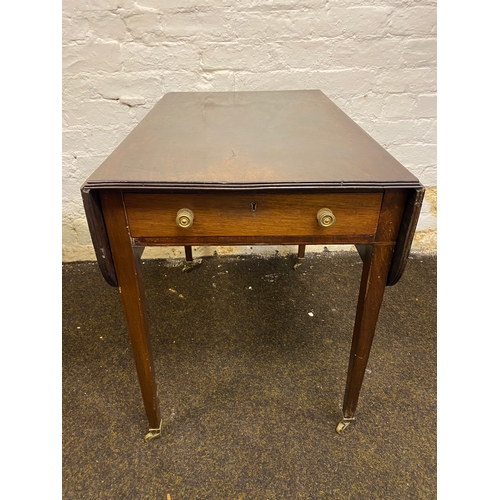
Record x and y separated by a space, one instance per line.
253 218
356 239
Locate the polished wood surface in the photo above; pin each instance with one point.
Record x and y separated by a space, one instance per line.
376 265
249 140
128 270
375 269
98 232
414 200
252 215
254 168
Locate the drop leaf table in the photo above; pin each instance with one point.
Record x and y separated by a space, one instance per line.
250 168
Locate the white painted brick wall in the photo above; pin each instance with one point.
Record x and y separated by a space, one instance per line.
376 59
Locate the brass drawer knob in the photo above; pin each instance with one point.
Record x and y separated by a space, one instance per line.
185 218
325 217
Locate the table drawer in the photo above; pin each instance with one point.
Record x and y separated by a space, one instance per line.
254 215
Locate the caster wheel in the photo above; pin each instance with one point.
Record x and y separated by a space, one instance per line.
342 425
153 434
191 265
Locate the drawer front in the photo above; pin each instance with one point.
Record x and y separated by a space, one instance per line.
246 215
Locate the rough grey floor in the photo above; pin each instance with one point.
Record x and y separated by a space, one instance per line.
251 358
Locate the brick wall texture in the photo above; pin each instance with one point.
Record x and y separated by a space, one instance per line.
376 59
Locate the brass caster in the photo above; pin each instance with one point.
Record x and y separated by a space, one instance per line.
153 433
190 265
342 425
298 264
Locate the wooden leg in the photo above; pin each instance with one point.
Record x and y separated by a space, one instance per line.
189 253
376 263
128 271
302 251
300 256
190 264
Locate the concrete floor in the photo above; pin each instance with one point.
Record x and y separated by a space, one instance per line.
251 358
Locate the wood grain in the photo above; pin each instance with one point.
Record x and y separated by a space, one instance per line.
377 260
405 236
254 215
128 272
99 236
255 168
376 265
245 139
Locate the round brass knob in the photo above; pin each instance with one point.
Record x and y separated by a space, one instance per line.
185 218
325 217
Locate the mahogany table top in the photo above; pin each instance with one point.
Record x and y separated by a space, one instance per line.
249 140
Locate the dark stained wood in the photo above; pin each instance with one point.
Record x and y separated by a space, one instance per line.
251 215
189 253
256 240
231 141
138 251
377 259
364 251
128 271
406 230
249 139
391 213
405 236
97 228
254 167
375 270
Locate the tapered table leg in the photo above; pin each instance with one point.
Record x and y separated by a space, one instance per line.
189 253
302 252
300 257
376 263
190 263
128 272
